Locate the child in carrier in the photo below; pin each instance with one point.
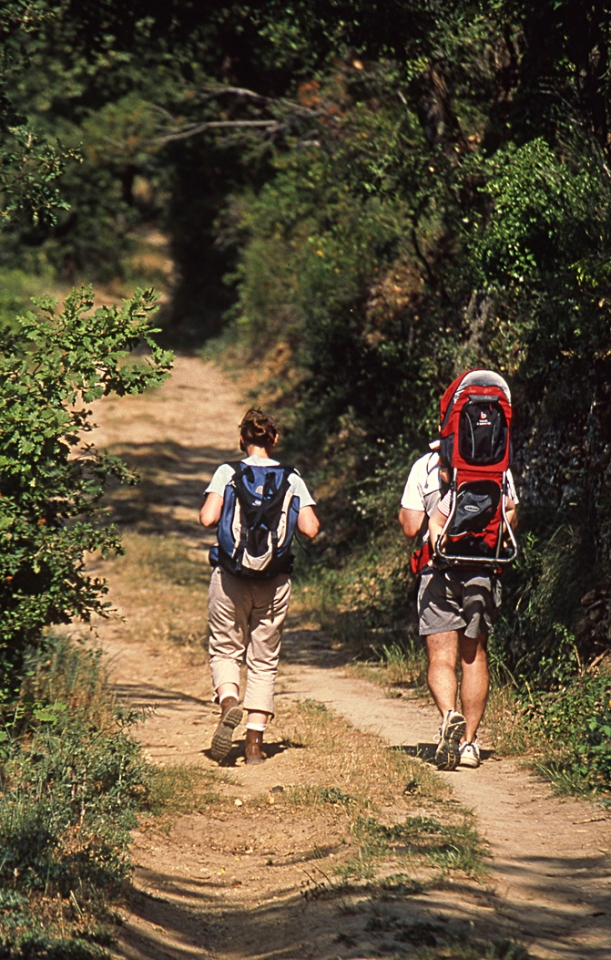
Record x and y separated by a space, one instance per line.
437 520
256 503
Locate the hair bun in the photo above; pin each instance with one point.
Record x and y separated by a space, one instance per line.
258 429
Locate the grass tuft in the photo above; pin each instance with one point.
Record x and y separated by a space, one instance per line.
178 789
394 810
72 783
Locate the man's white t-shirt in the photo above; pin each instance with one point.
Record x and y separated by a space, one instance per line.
225 472
421 491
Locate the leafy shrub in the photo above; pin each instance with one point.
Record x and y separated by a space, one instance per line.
51 367
573 725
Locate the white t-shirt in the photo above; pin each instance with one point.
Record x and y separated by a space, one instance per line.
224 473
421 492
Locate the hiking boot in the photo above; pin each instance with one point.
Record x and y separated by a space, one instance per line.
469 754
451 732
231 714
253 751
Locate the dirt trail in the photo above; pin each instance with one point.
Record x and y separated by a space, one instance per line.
204 891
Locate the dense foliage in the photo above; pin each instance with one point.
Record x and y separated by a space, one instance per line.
53 364
393 192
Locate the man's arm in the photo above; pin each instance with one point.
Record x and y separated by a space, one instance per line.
210 513
411 521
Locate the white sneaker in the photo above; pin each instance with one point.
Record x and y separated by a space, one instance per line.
469 754
451 732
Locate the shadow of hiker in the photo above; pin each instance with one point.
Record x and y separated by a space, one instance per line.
271 750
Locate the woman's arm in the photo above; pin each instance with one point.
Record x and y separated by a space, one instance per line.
210 513
307 522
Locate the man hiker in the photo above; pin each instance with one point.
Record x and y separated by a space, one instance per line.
457 606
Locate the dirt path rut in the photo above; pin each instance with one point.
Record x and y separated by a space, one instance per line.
550 875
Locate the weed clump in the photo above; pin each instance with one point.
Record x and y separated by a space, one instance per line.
573 728
72 781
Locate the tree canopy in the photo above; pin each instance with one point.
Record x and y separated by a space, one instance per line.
384 194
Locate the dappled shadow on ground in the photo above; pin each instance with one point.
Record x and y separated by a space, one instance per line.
171 476
147 695
199 916
567 923
320 924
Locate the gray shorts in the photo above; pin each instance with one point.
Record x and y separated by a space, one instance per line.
458 600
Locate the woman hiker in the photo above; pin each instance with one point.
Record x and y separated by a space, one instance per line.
250 586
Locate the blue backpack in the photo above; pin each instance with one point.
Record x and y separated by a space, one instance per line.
257 524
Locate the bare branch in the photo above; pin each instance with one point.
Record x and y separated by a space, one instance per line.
284 112
216 91
209 92
191 130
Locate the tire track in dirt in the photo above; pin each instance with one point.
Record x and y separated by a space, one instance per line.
551 859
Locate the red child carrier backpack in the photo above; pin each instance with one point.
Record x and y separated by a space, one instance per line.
475 446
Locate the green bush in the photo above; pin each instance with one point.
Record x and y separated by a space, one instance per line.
52 365
573 725
535 638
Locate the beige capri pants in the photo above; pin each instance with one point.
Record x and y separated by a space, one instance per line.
245 619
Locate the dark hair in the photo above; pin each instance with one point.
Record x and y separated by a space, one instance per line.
257 428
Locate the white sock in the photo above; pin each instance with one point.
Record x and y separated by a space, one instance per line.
226 696
256 726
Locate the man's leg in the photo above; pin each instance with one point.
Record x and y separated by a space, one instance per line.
481 600
440 619
475 681
442 651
